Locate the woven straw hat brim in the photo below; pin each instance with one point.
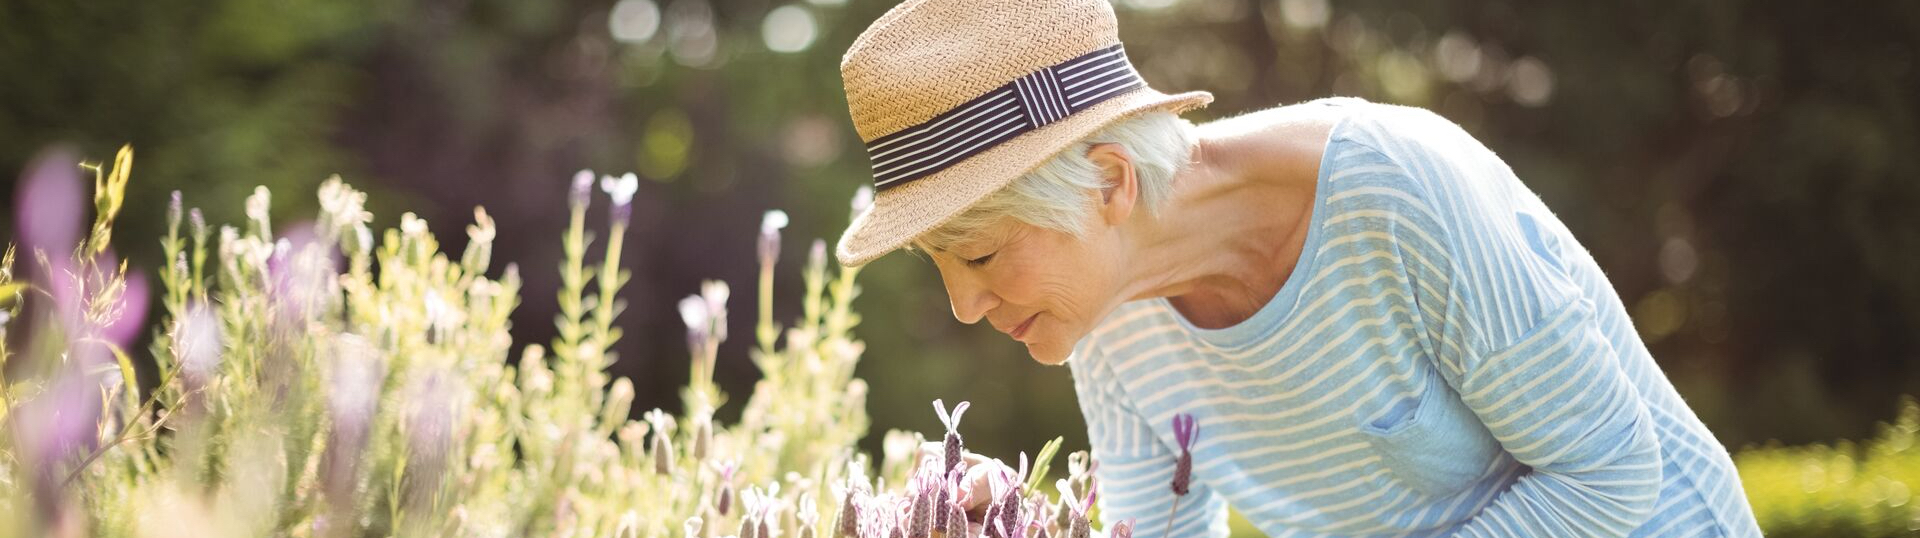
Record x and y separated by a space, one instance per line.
903 213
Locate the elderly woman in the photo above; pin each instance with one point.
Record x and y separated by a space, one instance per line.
1379 329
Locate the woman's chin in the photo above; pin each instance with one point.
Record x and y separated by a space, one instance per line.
1048 353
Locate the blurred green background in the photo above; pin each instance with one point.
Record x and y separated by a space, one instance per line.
1746 172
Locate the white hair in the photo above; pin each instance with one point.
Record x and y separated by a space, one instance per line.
1060 194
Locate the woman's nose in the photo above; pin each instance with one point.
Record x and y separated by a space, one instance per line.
971 300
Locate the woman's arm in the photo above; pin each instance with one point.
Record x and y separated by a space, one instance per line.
1558 402
1517 339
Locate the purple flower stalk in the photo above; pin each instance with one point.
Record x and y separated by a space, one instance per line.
724 500
952 422
1185 431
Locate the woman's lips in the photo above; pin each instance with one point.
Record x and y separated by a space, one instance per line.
1024 325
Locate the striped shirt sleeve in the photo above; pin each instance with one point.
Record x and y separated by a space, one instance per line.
1521 344
1135 471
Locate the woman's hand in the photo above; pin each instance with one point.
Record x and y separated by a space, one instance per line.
976 486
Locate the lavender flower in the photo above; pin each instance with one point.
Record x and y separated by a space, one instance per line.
1185 431
715 294
198 222
48 202
770 226
197 341
257 210
702 437
1123 529
952 422
808 514
1010 511
663 456
582 192
1075 519
691 527
956 520
724 499
920 522
174 205
862 200
848 522
817 259
693 311
749 528
621 190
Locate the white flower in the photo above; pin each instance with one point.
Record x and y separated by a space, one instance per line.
621 189
773 222
412 225
356 377
258 203
482 230
862 200
693 311
714 293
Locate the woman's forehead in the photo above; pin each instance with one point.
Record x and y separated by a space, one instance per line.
951 239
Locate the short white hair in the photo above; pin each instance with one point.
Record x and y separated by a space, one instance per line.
1060 194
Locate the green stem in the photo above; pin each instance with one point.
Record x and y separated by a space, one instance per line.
766 331
1173 515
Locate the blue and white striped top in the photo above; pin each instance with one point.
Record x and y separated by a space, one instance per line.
1445 359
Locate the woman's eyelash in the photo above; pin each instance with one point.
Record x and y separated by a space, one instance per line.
976 262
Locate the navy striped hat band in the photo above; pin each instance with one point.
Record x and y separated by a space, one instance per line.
1028 103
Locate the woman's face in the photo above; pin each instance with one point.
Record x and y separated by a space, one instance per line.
1041 287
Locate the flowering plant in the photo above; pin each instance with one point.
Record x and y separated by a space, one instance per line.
317 382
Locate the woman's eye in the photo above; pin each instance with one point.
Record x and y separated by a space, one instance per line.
976 262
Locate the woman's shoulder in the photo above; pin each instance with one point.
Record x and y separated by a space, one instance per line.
1407 135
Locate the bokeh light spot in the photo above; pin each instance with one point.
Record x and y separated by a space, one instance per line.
666 145
634 21
1659 315
1530 83
788 28
1305 14
1457 57
1678 260
1403 77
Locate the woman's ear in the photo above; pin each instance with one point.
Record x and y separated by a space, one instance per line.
1122 188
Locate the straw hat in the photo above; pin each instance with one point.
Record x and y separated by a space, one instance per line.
957 98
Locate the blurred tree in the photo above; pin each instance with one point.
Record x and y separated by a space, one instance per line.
219 95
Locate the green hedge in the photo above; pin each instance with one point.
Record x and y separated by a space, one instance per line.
1843 489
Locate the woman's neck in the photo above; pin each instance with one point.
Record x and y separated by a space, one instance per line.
1225 242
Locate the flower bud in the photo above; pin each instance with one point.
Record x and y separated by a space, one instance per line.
614 410
662 454
693 526
956 520
581 193
702 437
770 226
173 211
847 523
